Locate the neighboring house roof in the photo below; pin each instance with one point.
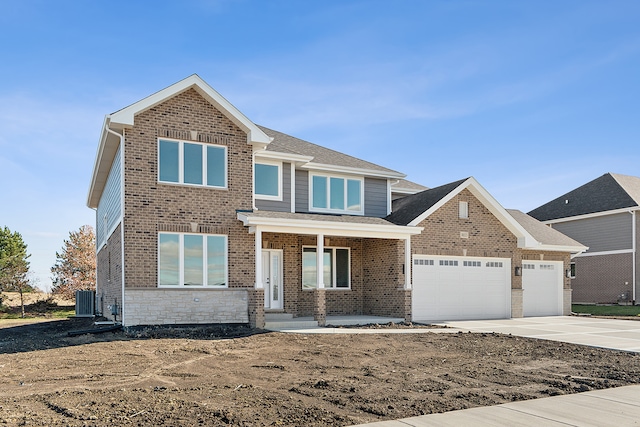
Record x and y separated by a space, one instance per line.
321 157
413 209
543 233
407 187
334 225
607 193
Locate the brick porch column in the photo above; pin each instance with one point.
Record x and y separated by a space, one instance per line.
320 306
407 305
256 307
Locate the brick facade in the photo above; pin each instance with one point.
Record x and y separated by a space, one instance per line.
109 276
152 207
487 237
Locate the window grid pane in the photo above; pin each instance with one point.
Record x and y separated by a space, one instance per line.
319 192
193 260
342 268
216 255
169 263
309 268
353 195
193 164
169 161
336 192
216 167
266 180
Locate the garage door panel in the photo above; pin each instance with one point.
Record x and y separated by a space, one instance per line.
542 288
475 288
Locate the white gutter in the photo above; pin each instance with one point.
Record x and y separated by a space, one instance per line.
122 158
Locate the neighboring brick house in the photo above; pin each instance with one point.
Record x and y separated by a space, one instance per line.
602 214
205 217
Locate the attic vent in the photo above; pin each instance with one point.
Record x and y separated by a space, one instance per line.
566 201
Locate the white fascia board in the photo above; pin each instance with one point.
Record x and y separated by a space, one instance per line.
125 118
592 215
559 248
287 157
309 227
107 148
352 171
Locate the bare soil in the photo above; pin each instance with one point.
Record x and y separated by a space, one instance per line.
232 375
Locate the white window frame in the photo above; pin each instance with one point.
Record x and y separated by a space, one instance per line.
463 210
265 196
572 270
204 164
332 285
346 196
205 271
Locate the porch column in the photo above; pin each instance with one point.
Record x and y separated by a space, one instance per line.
320 262
407 263
258 236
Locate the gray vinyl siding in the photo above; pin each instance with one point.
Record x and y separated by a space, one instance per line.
109 209
375 197
602 233
285 204
302 191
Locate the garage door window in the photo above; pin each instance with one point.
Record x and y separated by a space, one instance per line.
449 263
472 264
494 264
336 272
423 262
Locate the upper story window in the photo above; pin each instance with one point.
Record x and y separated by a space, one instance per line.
192 163
268 180
463 210
335 194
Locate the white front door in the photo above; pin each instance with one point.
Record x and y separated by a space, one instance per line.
272 278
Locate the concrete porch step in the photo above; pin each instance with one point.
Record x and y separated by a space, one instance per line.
292 323
275 316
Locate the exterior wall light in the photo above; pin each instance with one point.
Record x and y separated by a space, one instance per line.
518 271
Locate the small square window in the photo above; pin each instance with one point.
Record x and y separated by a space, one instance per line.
267 181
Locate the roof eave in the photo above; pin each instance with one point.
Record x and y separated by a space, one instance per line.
351 170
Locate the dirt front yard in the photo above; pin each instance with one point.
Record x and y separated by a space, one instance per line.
232 376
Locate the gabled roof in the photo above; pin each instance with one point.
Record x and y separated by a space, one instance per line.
609 192
323 158
546 235
407 209
413 209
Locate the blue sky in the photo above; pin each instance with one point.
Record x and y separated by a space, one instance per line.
531 98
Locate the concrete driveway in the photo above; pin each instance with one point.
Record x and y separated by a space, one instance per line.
605 333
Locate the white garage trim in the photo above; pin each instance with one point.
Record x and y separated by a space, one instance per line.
460 288
542 284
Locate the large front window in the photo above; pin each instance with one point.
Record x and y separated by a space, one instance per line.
192 163
192 260
336 194
335 268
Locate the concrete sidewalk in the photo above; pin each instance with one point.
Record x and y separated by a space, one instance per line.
611 407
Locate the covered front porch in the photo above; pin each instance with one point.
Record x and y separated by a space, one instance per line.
363 263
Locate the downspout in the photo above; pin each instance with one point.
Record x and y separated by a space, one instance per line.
634 238
122 158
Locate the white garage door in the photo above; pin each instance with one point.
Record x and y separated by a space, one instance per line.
542 288
459 288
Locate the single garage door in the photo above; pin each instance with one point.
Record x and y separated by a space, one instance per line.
460 288
542 288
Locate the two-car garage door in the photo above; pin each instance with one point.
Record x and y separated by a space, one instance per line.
459 288
465 288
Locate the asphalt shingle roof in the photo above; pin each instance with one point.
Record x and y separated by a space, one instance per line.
606 193
542 233
405 184
284 143
409 208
